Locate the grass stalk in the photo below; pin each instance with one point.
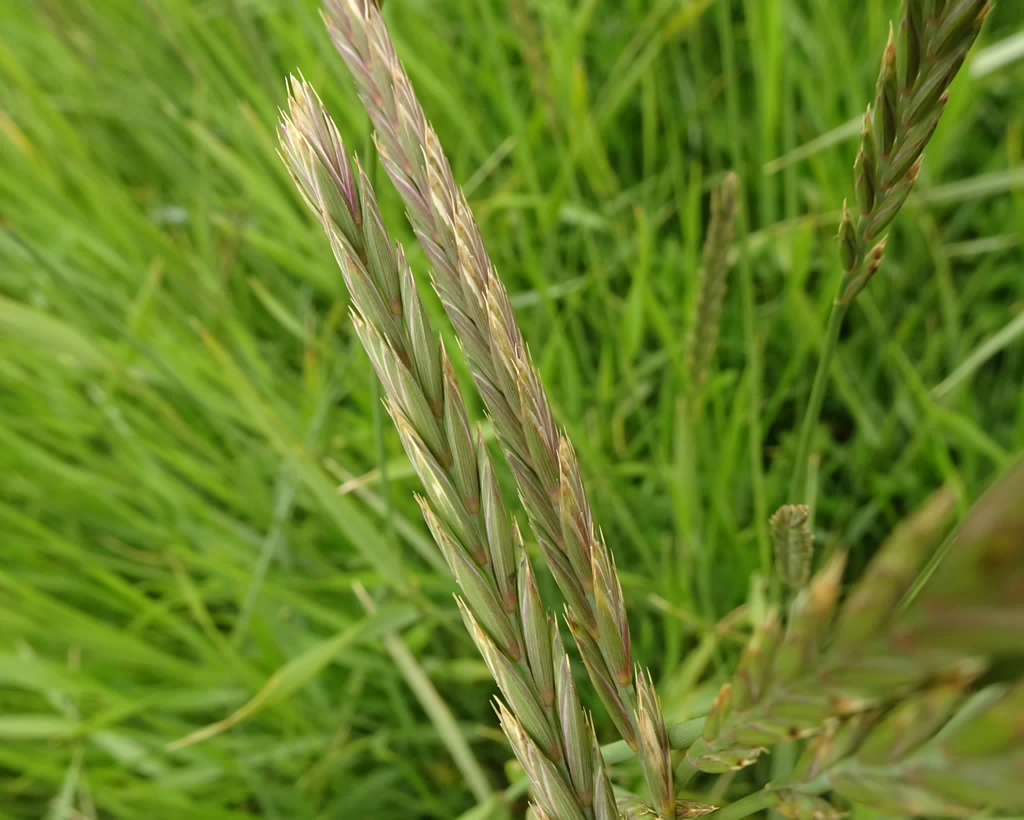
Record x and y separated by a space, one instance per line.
680 736
751 804
812 413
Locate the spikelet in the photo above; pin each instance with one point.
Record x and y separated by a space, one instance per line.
656 754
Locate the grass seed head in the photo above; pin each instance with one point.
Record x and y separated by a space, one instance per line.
917 70
713 283
479 307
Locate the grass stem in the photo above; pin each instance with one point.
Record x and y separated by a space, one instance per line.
680 736
758 801
813 411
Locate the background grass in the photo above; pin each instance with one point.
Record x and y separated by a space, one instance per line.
194 467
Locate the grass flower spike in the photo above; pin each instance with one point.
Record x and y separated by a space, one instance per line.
464 509
714 271
542 460
912 93
793 543
918 67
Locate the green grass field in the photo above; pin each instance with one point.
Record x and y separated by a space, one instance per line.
197 476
